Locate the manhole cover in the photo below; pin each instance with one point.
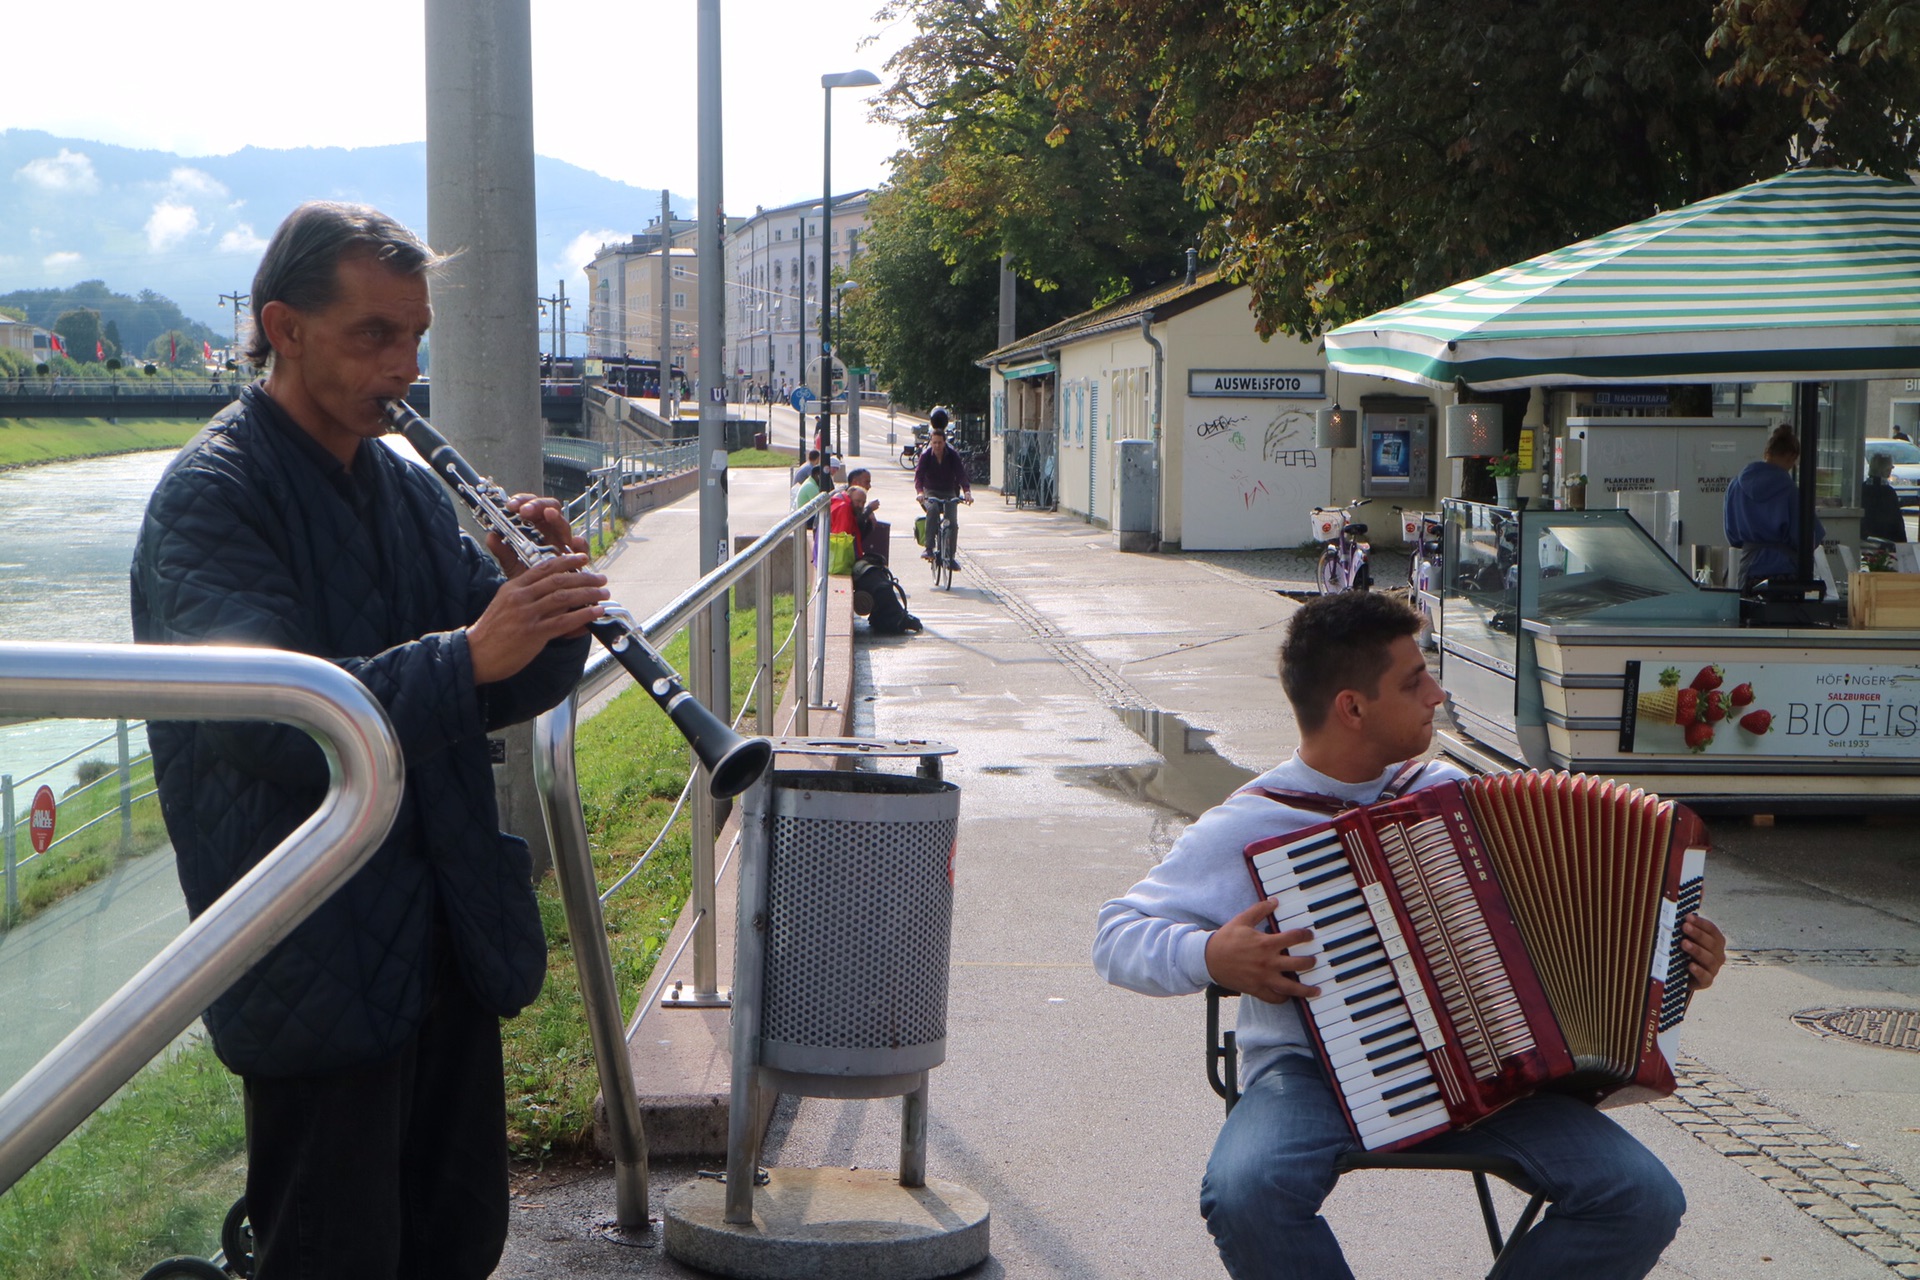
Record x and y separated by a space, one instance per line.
1887 1028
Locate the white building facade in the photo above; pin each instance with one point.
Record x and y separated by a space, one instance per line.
1230 416
775 282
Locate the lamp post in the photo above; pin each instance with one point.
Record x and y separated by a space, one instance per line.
852 415
828 83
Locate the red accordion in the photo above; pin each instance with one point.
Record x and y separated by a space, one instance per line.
1482 940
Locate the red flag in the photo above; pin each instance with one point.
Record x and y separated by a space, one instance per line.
173 347
58 345
99 352
206 351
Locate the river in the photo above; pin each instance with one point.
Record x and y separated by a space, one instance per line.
66 538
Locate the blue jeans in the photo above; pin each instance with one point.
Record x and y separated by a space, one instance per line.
1614 1205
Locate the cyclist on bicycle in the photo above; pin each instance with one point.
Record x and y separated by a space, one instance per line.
939 482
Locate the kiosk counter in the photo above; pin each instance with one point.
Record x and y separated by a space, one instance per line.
1572 640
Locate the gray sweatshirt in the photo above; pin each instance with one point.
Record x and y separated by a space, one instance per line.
1154 939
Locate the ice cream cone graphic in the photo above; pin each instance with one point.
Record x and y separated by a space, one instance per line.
1662 706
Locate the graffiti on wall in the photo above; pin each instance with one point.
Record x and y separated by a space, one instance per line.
1248 465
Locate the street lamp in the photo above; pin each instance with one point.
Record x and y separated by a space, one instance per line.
828 83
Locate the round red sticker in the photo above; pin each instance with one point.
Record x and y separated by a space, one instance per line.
40 820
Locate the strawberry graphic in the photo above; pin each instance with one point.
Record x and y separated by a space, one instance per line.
1742 695
1715 709
1699 736
1757 722
1686 706
1709 678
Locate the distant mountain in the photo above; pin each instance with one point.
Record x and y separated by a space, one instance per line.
192 228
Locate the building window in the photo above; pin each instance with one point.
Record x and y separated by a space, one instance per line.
679 302
679 328
679 272
776 234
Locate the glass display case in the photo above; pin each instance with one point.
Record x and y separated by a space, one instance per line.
1514 577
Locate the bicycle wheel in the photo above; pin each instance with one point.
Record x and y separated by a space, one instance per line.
1331 580
1363 577
949 548
906 459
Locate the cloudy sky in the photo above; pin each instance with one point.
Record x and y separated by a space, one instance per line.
613 85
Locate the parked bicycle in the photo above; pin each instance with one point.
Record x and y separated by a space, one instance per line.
1421 532
943 538
1343 560
910 452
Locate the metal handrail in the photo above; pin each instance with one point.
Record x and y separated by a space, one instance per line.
168 994
554 776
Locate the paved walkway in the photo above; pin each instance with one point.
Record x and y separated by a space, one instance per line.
1088 692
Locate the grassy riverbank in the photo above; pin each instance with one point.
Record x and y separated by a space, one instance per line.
151 1174
25 442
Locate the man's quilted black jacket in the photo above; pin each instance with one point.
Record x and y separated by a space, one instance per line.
255 535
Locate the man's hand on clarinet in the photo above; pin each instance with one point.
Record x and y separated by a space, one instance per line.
548 517
1703 942
555 600
1245 957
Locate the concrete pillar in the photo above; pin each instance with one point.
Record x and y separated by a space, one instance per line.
486 341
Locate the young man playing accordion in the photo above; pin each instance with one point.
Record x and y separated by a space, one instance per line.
1364 703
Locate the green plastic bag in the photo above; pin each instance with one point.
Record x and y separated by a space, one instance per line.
919 531
840 554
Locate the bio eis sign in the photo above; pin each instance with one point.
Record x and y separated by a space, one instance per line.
1772 709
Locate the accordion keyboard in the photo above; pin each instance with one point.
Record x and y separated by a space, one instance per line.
1373 1017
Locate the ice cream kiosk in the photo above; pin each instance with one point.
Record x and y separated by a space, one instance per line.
1584 639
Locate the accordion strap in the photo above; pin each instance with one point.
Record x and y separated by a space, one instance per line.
1403 778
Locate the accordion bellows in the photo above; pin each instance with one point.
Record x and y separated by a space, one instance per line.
1482 940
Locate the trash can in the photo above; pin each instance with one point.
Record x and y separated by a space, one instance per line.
759 439
859 921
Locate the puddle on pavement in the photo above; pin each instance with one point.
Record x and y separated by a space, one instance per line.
1192 780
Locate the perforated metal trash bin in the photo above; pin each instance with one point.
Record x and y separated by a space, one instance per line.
859 922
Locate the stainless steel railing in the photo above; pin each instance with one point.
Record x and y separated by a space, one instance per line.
580 898
164 998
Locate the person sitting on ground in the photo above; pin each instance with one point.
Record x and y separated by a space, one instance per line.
1364 702
1880 513
847 513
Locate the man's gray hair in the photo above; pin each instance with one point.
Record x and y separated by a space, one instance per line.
1879 466
300 266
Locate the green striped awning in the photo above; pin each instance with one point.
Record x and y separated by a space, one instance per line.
1811 275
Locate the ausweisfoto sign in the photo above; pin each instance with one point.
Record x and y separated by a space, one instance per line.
1279 384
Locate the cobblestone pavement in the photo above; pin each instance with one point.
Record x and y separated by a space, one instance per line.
1872 1209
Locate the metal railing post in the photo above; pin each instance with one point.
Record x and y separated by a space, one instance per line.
126 786
554 774
763 644
802 656
212 682
706 966
820 543
6 836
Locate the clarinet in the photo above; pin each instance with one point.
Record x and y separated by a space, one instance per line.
732 762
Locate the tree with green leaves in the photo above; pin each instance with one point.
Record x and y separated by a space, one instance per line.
1084 214
79 331
1851 67
1354 153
